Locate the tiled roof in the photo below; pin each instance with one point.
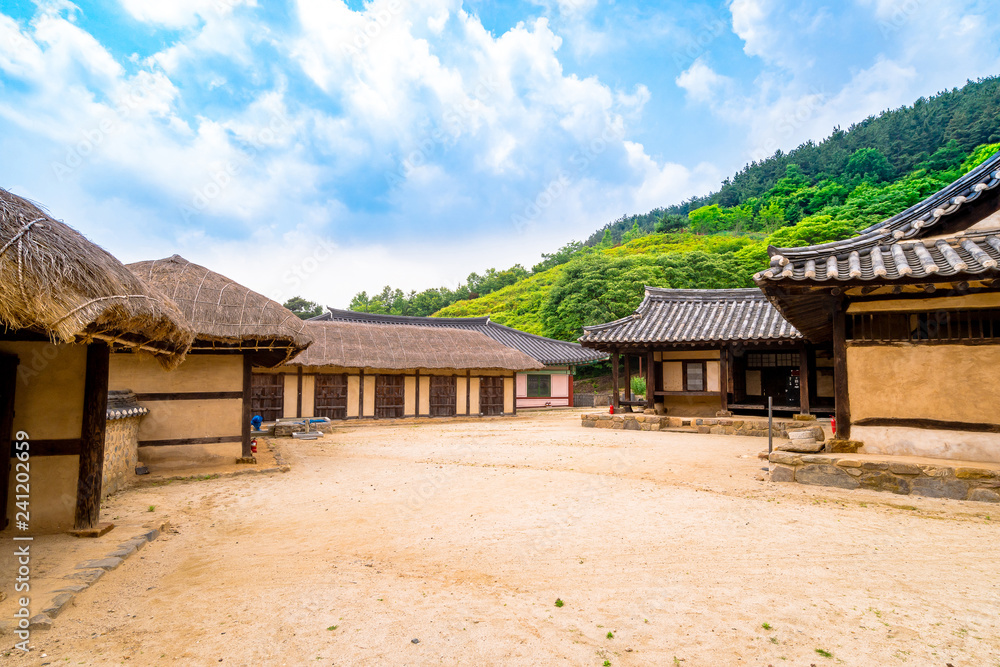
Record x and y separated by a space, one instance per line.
899 248
548 351
695 316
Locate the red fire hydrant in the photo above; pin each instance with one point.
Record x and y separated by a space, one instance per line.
611 409
253 446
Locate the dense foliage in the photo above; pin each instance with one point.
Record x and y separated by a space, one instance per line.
814 194
302 308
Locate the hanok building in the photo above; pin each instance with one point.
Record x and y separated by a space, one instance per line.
911 308
64 304
550 386
202 410
714 351
384 371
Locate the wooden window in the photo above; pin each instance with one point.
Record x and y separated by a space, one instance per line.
267 395
539 386
772 360
444 394
330 398
927 327
389 396
694 376
491 395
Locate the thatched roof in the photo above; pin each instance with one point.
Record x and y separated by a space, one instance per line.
222 311
55 282
400 346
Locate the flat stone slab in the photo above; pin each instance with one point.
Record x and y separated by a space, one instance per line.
73 588
102 563
123 551
58 603
89 576
40 622
825 475
136 543
96 531
801 446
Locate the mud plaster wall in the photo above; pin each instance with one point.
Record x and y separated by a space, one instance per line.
944 382
692 406
121 453
899 441
48 404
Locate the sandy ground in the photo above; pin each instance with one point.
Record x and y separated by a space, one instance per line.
462 534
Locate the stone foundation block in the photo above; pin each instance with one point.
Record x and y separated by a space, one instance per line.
825 475
984 496
785 458
844 446
973 473
904 469
780 473
939 487
885 481
589 424
849 463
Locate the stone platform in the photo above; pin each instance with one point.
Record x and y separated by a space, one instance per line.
903 475
750 426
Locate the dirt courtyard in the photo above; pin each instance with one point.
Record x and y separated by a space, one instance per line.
663 547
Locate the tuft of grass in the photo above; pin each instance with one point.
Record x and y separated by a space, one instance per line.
766 626
610 635
152 508
825 654
333 627
559 602
607 663
773 640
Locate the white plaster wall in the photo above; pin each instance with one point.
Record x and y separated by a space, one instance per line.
900 441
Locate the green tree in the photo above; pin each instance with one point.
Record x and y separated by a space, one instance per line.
869 164
302 308
633 233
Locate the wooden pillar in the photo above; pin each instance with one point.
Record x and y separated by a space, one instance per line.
614 381
416 403
724 379
572 378
843 404
513 390
361 393
628 379
95 417
247 405
804 380
468 393
649 379
298 402
375 397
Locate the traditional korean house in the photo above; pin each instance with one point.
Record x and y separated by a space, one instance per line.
64 305
551 386
911 308
364 369
202 410
708 352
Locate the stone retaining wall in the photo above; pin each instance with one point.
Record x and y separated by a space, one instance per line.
933 481
717 426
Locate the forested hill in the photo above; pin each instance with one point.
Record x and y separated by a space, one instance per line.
813 194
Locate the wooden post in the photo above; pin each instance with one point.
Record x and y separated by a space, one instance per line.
804 381
649 379
513 390
843 405
614 380
298 402
247 405
416 404
95 417
361 393
724 378
468 393
572 378
628 380
375 398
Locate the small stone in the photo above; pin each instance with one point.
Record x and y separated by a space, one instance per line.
72 588
90 576
632 425
854 472
123 551
844 446
785 458
780 473
849 463
102 563
802 434
973 473
806 446
904 468
589 424
804 418
704 429
57 604
874 465
984 496
40 622
414 641
812 458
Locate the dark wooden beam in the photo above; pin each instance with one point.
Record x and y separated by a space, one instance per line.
649 380
361 393
55 447
190 396
468 392
614 381
95 417
247 405
416 406
298 400
804 381
840 386
936 424
724 378
628 378
213 440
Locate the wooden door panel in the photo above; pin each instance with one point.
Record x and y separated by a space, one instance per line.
330 396
267 395
444 394
491 395
389 391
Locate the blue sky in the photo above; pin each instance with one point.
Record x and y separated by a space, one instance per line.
322 148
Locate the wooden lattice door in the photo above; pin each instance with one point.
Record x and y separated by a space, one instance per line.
444 394
491 396
267 395
389 396
331 396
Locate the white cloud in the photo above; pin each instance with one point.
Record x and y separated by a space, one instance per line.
179 13
701 82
